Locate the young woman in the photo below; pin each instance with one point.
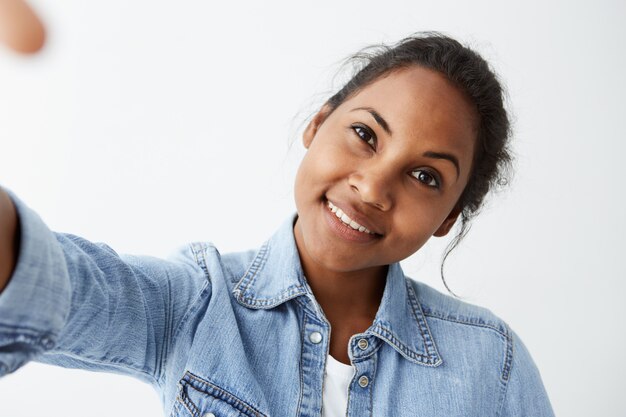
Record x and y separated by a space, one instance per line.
321 319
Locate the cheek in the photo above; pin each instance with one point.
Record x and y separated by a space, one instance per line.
311 179
300 184
325 161
419 220
414 235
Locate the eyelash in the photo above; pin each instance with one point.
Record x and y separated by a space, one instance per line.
433 176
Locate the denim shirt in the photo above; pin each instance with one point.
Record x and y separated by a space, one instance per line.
241 334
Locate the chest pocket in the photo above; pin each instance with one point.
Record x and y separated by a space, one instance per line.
198 397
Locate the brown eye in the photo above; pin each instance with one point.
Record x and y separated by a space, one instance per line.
427 178
365 134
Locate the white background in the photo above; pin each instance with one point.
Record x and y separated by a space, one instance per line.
148 124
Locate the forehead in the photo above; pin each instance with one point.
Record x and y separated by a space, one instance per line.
422 104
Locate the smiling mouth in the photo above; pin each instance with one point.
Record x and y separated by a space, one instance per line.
345 219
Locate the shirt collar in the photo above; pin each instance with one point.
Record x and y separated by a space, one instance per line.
275 275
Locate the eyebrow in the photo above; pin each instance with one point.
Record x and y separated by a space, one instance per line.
446 156
379 119
429 154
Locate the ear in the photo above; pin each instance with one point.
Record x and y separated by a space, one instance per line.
448 222
314 125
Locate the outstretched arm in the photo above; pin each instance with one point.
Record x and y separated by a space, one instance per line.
78 304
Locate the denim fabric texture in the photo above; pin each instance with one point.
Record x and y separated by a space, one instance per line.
230 334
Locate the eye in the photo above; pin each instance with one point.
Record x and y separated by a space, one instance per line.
428 178
365 134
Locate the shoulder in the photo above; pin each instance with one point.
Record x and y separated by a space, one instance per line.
445 308
219 267
236 264
479 344
467 334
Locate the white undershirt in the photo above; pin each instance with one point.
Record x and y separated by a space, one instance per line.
336 381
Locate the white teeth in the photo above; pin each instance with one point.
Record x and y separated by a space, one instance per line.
347 220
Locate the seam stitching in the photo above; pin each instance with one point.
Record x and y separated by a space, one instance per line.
391 338
506 372
226 395
423 326
469 323
254 268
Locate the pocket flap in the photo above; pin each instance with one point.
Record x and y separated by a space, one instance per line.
201 397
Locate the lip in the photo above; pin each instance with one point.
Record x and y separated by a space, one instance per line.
343 230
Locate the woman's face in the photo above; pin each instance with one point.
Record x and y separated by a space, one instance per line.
394 158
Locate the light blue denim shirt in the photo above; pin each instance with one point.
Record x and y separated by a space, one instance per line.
237 334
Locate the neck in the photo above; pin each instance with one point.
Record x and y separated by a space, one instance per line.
347 297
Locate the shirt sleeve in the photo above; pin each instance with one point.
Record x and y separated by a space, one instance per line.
525 394
78 304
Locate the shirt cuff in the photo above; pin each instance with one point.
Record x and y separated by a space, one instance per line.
35 304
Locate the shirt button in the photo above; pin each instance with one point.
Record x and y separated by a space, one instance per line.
363 344
208 415
315 337
364 381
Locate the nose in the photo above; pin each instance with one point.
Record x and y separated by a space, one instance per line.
374 186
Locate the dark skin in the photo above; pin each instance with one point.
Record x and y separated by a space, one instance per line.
394 180
350 304
9 239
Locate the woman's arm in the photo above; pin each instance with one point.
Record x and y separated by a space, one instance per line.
78 304
9 238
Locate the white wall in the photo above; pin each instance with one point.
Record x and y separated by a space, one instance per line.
147 124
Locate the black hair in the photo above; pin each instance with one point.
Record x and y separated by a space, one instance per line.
472 75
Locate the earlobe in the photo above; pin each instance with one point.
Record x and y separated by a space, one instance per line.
447 224
314 124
